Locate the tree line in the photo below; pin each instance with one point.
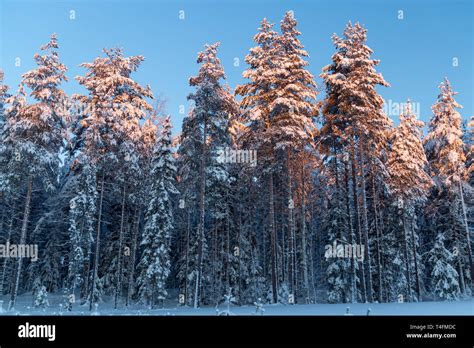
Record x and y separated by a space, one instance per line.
123 211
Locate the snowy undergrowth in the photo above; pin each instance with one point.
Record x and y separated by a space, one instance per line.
466 307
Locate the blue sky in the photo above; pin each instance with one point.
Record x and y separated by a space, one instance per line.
416 52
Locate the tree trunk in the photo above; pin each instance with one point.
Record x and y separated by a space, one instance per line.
304 261
407 260
73 277
24 227
228 259
273 243
97 245
6 259
351 234
239 255
462 285
367 257
311 255
468 236
378 234
86 270
356 208
133 253
214 248
188 228
415 260
118 288
200 234
291 228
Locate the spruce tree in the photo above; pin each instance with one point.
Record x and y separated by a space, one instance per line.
154 266
444 278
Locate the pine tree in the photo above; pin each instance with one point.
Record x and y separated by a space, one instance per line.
41 298
406 157
445 152
355 122
141 182
36 131
293 111
188 163
116 104
292 114
278 105
257 96
338 269
443 143
10 177
81 228
155 261
206 129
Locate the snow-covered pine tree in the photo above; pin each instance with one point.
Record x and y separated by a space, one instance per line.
257 95
445 152
155 263
338 271
221 201
353 105
278 106
334 145
206 129
406 157
131 109
188 163
141 182
337 220
443 143
293 114
37 131
41 297
116 103
248 250
444 278
10 180
294 110
82 209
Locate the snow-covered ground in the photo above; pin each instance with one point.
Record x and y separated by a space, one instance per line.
466 307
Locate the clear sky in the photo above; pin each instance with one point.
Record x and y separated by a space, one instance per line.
417 47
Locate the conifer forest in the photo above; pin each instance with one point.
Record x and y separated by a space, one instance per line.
295 186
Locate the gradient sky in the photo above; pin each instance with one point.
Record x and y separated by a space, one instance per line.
416 52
